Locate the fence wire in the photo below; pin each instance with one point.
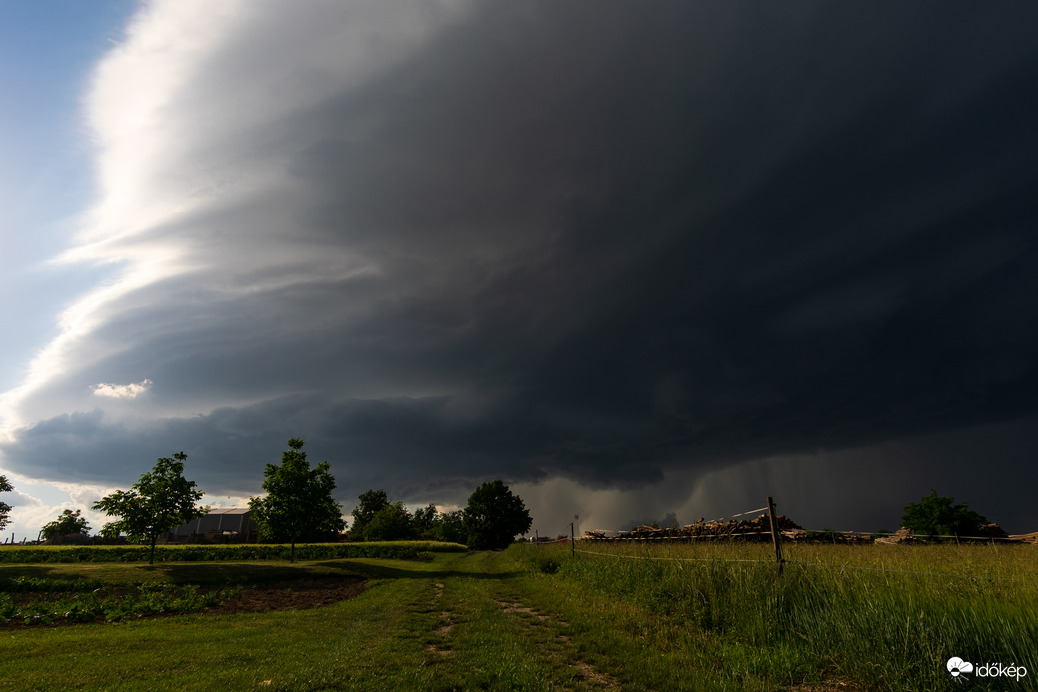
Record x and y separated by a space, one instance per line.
742 514
677 559
724 536
802 564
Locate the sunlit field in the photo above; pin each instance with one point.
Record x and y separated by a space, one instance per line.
884 617
635 616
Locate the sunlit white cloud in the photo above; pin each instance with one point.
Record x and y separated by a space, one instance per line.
121 391
187 118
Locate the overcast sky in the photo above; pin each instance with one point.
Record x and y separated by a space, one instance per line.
630 258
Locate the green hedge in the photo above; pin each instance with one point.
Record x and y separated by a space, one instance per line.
217 553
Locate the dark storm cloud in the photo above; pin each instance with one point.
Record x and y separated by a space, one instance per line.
606 242
814 230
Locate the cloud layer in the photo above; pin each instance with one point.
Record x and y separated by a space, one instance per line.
610 244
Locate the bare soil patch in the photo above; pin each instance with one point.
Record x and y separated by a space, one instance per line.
298 594
586 671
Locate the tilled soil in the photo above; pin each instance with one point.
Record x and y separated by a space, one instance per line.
293 595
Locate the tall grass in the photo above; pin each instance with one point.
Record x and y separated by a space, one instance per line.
892 629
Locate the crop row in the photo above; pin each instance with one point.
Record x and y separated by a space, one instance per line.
113 604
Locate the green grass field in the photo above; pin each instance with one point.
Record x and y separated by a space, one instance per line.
634 616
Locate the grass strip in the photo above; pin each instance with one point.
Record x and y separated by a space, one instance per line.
210 553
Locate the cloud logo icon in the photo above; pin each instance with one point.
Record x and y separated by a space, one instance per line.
956 666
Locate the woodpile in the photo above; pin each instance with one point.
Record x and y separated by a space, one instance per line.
759 529
903 535
753 529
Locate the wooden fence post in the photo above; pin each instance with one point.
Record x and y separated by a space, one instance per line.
774 534
572 542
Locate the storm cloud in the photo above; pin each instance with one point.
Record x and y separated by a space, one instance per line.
572 245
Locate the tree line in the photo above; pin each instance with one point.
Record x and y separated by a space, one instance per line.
298 507
491 519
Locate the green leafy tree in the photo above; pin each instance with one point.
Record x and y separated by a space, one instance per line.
370 503
494 516
937 516
68 523
391 523
450 527
5 509
424 521
161 500
299 504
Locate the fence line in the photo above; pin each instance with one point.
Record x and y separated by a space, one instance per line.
676 559
741 514
776 535
798 562
815 531
901 571
719 536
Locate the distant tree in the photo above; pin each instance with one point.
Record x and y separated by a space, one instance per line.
5 509
937 516
371 502
161 500
450 527
391 523
423 521
299 503
68 523
494 516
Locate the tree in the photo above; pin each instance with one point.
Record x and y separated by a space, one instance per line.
424 521
371 502
391 523
67 524
299 503
494 516
161 500
937 516
450 527
5 509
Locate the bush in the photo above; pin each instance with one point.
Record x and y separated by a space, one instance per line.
937 516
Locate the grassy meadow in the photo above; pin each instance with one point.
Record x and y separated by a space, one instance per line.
638 616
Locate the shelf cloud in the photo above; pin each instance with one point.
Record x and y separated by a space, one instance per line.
571 245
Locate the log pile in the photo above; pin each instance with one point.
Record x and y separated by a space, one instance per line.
759 529
903 535
753 529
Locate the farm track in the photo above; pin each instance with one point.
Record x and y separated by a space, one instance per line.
494 603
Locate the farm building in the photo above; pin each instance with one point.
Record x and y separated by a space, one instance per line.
233 524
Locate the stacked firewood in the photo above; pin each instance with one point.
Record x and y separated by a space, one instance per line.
903 535
758 528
